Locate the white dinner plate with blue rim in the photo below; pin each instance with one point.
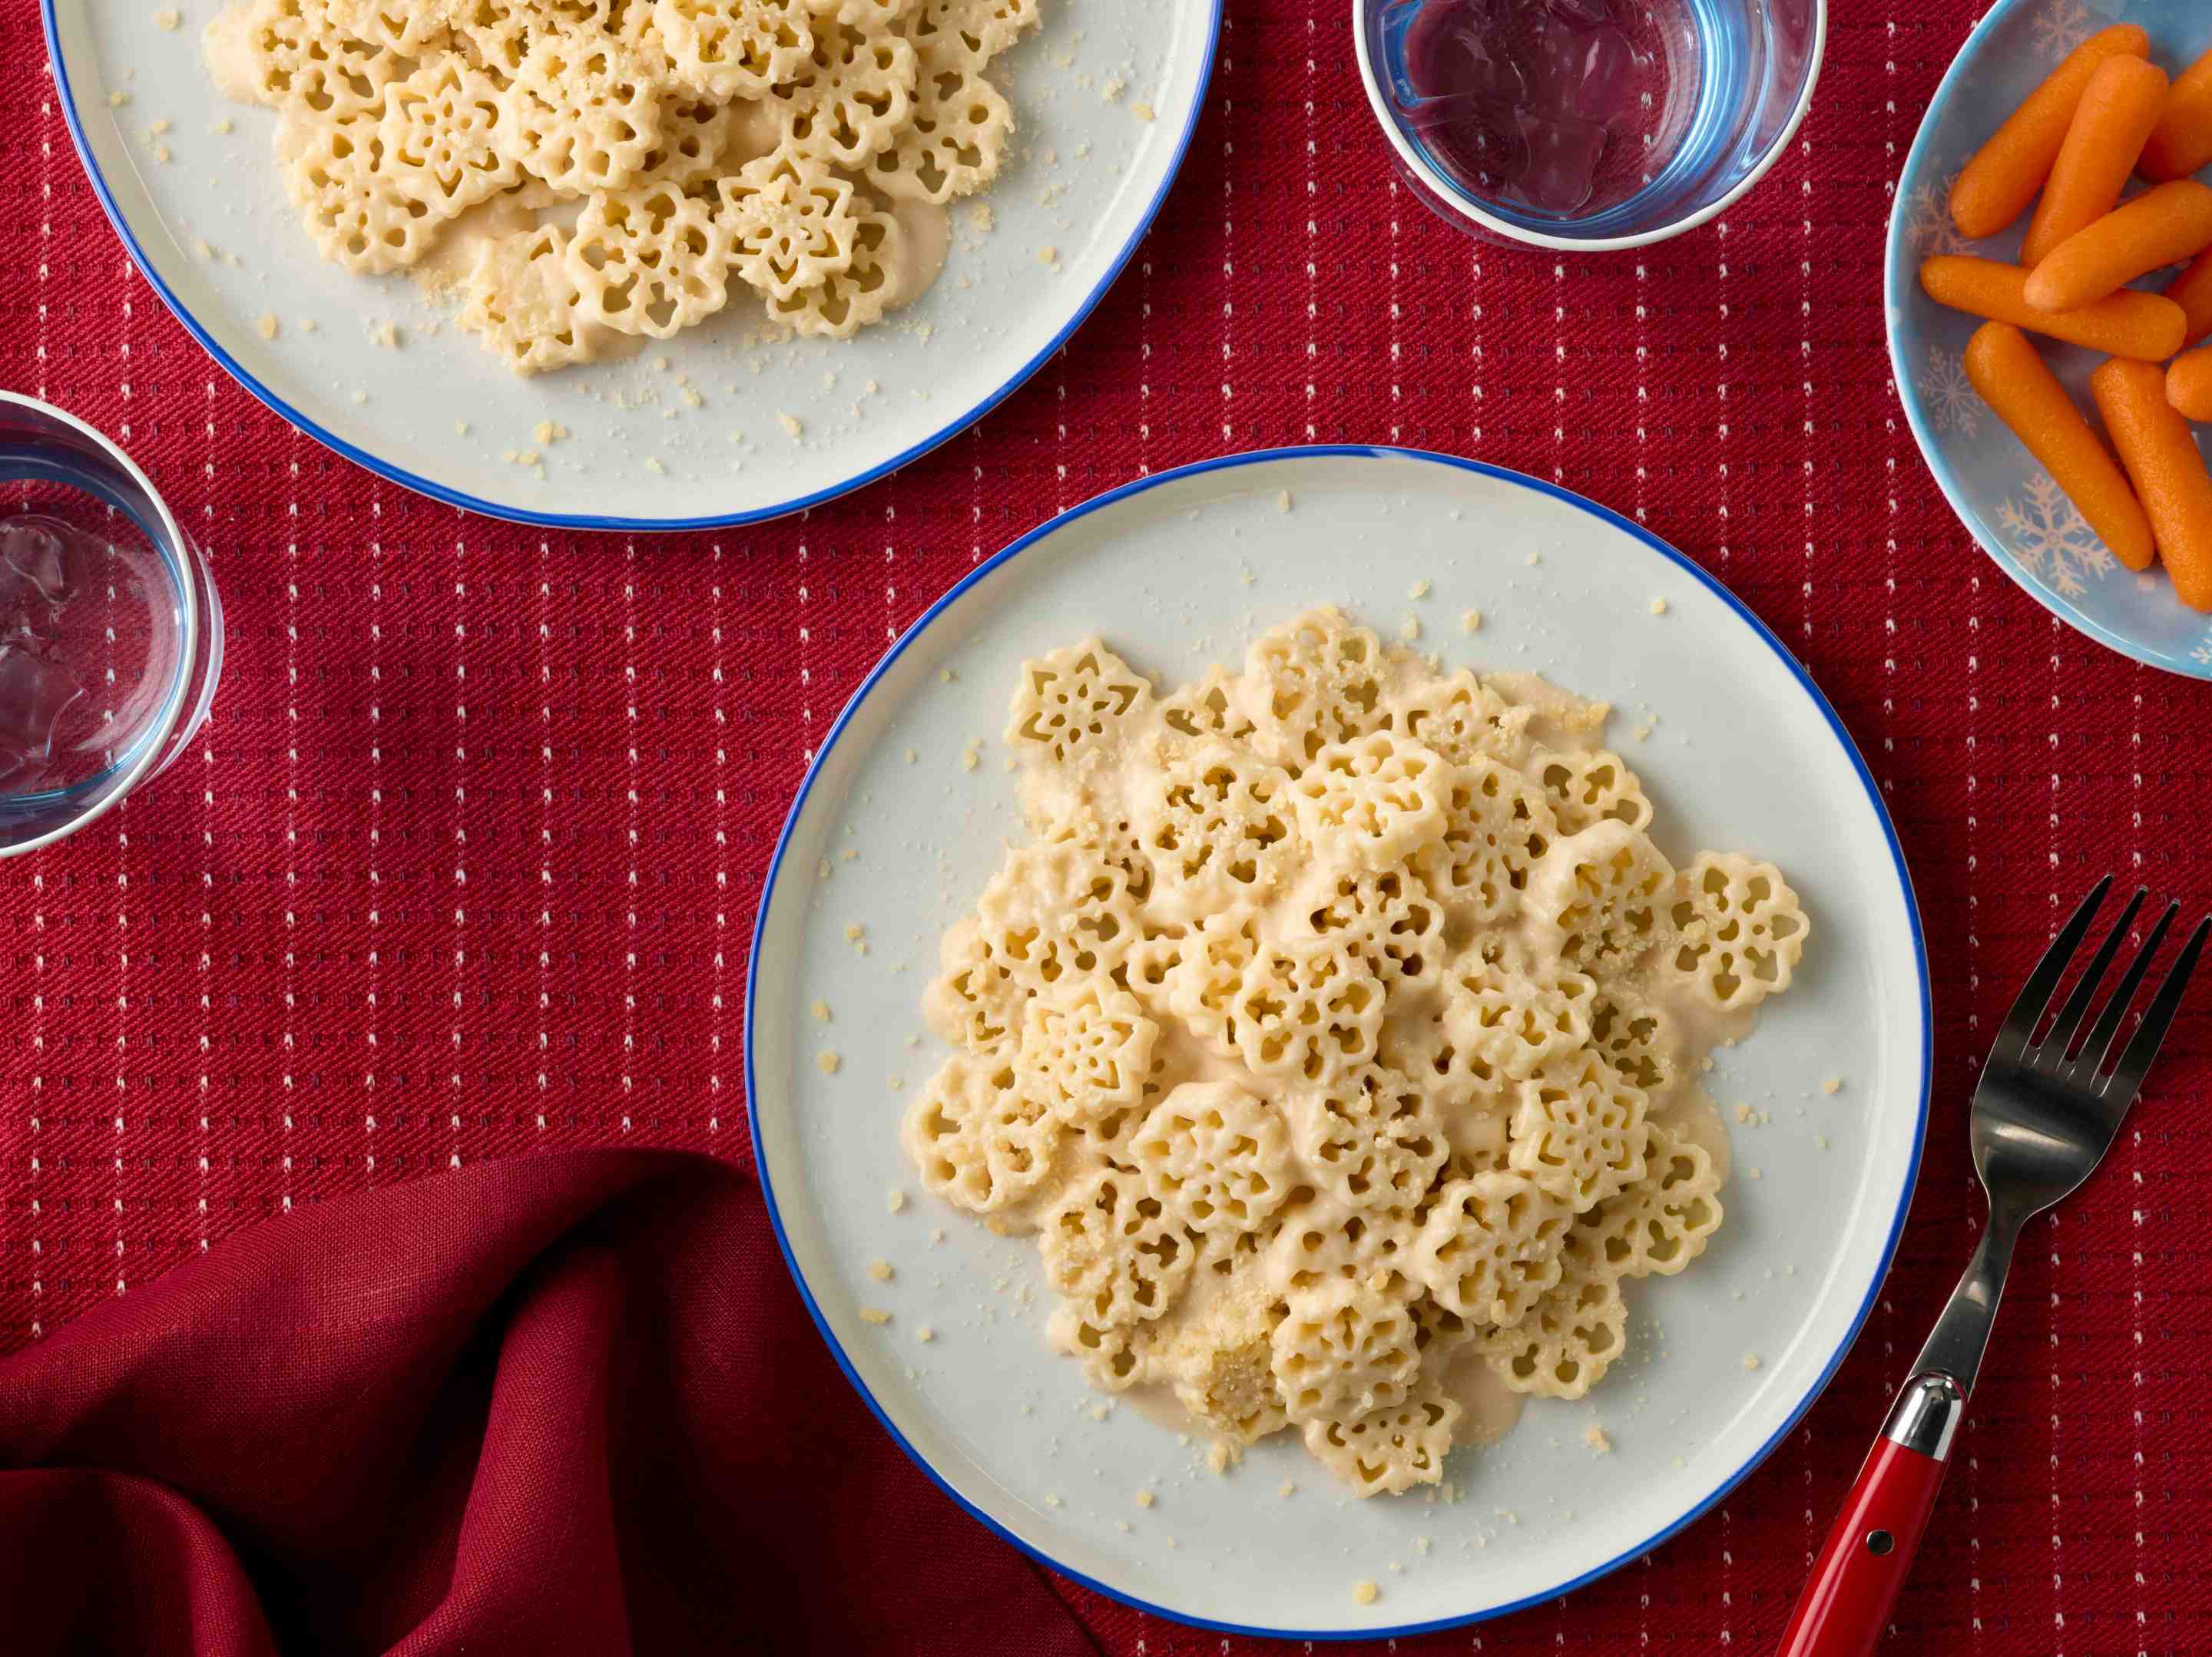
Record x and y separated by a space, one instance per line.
1178 571
2022 518
1105 97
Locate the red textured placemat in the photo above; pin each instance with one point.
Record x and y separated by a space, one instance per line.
355 902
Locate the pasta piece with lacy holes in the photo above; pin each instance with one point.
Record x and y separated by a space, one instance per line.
1341 1350
1637 1038
291 54
1315 680
975 1002
1593 787
440 132
1369 1140
1742 931
1603 897
1513 1022
849 299
1563 1347
651 261
1208 974
1222 1367
1216 824
1325 1241
1056 913
1496 827
1115 1252
1306 1012
954 142
1579 1131
1208 707
969 33
873 16
583 115
1491 1246
694 138
1386 916
1217 1158
791 222
1661 1222
1391 1450
1075 703
1372 802
361 214
978 1140
523 304
1086 1050
1461 719
847 104
1115 1356
734 49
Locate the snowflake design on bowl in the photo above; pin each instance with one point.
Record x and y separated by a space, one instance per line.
1953 404
2061 27
2051 540
1928 224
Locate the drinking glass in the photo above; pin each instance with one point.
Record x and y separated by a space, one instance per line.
111 633
1587 125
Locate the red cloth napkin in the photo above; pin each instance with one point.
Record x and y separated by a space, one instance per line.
565 1403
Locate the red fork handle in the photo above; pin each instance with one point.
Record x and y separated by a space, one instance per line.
1868 1554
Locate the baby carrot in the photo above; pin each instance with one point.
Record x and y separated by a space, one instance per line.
2188 385
2145 325
2027 397
2161 454
2118 108
2182 141
2192 291
2001 179
2166 223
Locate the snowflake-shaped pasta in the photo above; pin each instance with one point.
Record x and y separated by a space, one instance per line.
1514 1022
291 54
582 115
1636 1038
1324 1243
1491 1246
1056 913
439 131
1389 1449
1217 826
847 104
1208 973
1208 707
1115 1252
1603 896
953 142
1314 681
361 213
1583 788
1659 1224
978 1139
1579 1131
1371 802
1570 1338
1741 930
1497 825
1386 916
733 49
1341 1350
1074 702
1114 1356
1305 1013
522 303
651 261
968 33
1463 720
1216 1157
1370 1140
1086 1050
792 221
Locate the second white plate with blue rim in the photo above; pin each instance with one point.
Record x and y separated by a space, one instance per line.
1105 99
1179 570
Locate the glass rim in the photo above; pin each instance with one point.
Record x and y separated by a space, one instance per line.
1453 198
182 557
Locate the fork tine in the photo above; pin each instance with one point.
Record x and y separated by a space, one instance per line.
2134 1063
2103 1041
2043 983
2077 1003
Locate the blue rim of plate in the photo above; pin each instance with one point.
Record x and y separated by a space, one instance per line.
1760 629
1897 293
585 521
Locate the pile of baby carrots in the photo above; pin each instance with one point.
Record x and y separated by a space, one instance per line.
2105 113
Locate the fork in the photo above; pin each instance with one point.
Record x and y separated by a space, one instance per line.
2043 1116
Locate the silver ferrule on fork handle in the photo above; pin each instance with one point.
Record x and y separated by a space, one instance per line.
1926 1415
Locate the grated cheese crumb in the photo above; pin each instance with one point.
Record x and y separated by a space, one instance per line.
791 424
1283 501
267 326
1364 1593
1751 1360
1658 606
1410 629
821 1010
1144 1498
1419 590
168 19
1597 1439
828 1062
924 1333
1142 111
896 1201
1833 1085
880 1270
875 1315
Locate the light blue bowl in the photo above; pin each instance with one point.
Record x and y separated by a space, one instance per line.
2009 501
